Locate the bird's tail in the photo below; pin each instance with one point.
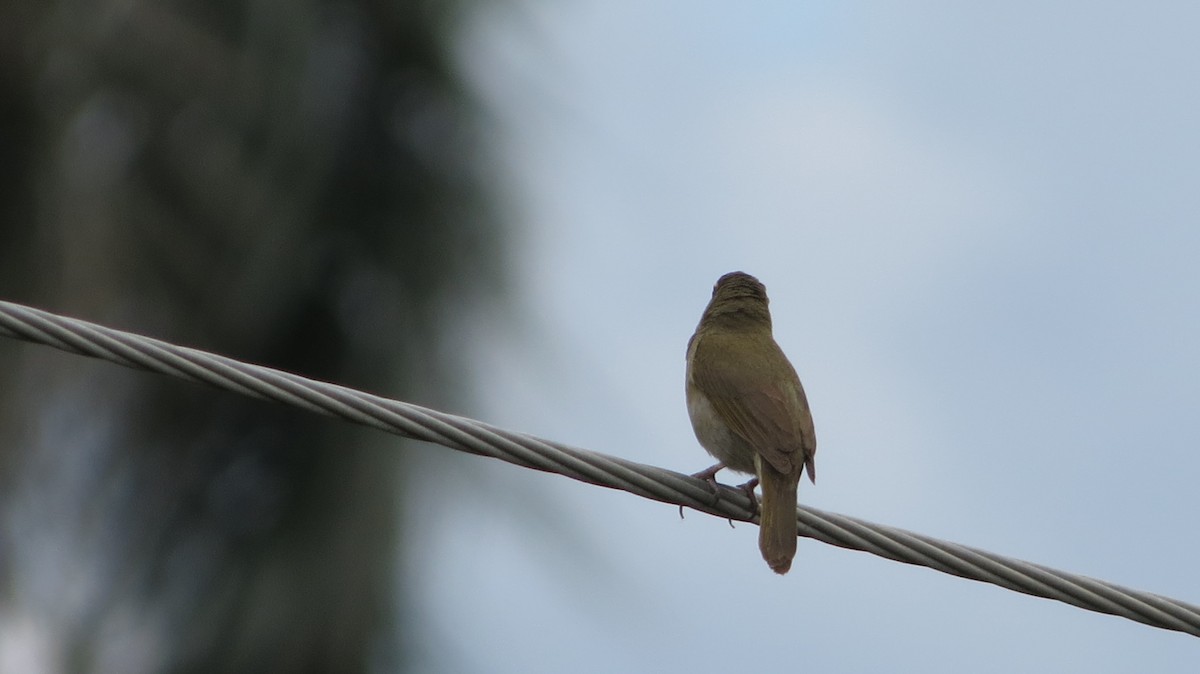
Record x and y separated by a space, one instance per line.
777 518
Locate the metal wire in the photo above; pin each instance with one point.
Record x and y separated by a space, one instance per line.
651 482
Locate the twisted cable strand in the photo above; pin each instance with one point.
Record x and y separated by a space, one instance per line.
468 435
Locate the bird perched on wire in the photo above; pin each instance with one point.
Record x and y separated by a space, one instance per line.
749 410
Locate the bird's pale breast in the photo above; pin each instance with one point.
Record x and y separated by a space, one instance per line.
716 437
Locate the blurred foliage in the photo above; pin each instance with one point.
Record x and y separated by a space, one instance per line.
297 184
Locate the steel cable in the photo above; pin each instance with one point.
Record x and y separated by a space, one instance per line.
660 484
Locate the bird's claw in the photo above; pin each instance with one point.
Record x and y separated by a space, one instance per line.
709 475
748 488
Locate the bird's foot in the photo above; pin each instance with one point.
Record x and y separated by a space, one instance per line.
748 487
709 475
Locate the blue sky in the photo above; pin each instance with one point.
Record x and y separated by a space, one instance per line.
978 227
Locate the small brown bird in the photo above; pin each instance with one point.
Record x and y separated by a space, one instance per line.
748 408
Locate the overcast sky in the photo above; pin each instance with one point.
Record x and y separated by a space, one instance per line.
978 227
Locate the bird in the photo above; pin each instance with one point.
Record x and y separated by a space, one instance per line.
748 408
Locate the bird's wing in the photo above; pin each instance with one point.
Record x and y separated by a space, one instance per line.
773 417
